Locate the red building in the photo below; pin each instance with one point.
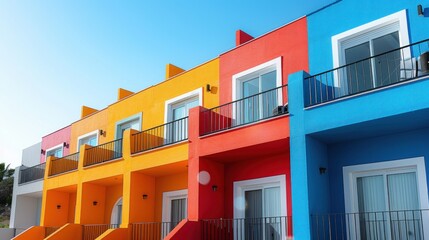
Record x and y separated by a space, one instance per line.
239 172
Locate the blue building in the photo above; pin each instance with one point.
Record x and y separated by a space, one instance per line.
360 123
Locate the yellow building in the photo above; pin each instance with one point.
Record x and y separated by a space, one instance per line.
128 168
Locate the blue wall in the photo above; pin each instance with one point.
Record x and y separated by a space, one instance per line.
384 148
347 14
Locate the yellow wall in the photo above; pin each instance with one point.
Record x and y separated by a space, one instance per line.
86 125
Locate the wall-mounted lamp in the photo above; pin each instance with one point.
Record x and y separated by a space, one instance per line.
208 88
144 196
102 132
420 11
42 151
94 203
214 188
58 206
65 144
322 170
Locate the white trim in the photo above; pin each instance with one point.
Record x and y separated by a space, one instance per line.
274 64
55 147
169 103
95 132
351 172
399 17
258 183
167 197
114 216
138 116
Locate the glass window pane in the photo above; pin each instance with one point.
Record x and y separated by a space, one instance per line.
358 74
268 81
250 87
387 66
371 196
178 211
253 214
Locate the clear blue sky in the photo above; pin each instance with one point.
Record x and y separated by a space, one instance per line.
56 56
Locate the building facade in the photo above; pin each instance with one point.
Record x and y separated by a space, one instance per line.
315 130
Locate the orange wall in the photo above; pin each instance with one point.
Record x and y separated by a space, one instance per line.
55 217
86 125
91 214
142 209
72 207
166 184
113 193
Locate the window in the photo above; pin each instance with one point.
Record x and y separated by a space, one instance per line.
388 197
260 79
355 48
174 209
56 151
176 110
116 216
88 139
133 122
262 204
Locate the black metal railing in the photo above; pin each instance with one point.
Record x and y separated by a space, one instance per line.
64 164
270 228
406 224
29 174
151 230
392 67
92 231
103 153
166 134
247 110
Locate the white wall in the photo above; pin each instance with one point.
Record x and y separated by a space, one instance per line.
31 155
26 201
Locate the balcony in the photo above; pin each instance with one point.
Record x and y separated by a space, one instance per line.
29 174
163 135
103 153
404 224
387 69
272 228
64 164
245 111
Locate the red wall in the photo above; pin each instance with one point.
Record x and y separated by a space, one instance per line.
289 42
256 168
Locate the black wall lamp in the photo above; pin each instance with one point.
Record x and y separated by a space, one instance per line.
208 88
145 196
94 203
420 10
102 132
214 188
42 151
322 170
65 144
58 206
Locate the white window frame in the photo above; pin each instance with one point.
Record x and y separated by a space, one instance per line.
240 187
366 32
54 147
168 108
239 78
114 216
351 173
167 197
138 116
96 133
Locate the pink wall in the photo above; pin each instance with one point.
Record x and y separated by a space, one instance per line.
58 137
